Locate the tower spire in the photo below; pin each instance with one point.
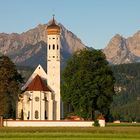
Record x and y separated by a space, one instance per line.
53 18
53 65
53 28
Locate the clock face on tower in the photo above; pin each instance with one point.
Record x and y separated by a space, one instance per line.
36 99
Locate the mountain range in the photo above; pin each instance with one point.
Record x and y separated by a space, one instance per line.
30 48
122 50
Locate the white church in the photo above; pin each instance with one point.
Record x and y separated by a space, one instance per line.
40 99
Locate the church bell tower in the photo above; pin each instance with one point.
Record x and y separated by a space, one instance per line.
53 65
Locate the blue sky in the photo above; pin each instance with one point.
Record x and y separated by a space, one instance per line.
95 22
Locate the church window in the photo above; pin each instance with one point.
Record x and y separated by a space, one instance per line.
22 114
53 56
36 114
49 47
45 99
57 47
46 115
36 99
28 115
53 46
29 99
53 38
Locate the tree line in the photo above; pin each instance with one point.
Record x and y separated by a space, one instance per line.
10 81
88 87
126 102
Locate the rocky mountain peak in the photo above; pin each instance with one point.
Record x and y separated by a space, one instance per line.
137 34
116 44
121 50
30 48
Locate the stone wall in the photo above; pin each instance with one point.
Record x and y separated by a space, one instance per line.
18 123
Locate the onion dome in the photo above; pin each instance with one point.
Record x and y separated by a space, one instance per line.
53 29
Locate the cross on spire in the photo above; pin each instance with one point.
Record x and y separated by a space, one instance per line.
53 17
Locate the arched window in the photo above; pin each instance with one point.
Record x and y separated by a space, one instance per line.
36 114
53 46
49 47
28 115
57 47
46 115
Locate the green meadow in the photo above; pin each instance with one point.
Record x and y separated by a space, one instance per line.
111 132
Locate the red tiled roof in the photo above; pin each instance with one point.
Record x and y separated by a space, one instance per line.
37 84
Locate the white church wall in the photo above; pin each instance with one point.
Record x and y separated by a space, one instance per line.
36 110
53 68
101 122
50 106
42 105
26 105
50 110
36 104
19 110
17 123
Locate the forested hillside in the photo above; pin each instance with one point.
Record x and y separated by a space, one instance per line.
126 105
25 72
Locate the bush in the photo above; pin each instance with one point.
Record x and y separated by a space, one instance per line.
96 123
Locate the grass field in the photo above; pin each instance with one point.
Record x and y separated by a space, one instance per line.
124 132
